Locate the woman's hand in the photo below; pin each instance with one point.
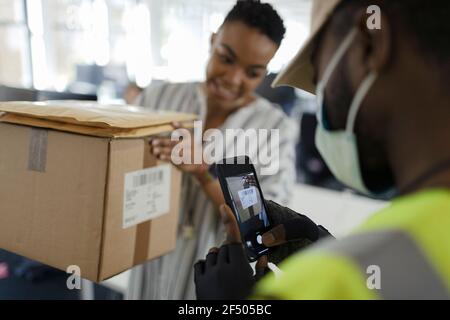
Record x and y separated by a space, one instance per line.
162 149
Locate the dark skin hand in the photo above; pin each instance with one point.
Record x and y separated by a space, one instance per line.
162 148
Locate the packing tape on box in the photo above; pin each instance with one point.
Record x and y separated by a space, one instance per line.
142 242
37 156
143 230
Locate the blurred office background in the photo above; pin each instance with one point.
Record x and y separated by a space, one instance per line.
87 45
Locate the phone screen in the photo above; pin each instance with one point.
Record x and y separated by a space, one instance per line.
250 211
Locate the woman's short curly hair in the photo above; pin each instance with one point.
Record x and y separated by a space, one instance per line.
261 16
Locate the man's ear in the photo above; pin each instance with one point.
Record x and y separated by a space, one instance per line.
377 38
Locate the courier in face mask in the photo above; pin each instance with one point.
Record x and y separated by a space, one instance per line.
354 156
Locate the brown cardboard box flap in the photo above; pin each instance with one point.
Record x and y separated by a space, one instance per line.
90 131
63 115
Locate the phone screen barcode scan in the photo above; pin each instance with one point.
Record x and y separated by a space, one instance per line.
146 195
147 178
248 197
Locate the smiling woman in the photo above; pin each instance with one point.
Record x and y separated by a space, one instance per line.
240 53
238 64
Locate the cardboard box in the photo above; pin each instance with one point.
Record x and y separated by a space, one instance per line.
82 189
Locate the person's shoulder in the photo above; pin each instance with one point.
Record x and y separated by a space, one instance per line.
159 91
274 115
316 275
155 87
262 104
170 86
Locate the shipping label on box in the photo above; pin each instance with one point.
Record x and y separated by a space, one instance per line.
248 197
146 195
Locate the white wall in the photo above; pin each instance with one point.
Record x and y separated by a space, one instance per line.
339 212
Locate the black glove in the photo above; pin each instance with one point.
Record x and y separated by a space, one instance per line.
224 275
291 233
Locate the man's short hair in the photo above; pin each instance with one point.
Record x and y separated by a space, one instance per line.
261 16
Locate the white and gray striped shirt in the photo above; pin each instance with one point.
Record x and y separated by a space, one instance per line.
171 276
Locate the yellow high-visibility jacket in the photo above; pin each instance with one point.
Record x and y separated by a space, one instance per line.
402 252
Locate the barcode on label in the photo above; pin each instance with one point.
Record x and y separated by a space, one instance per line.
147 178
247 191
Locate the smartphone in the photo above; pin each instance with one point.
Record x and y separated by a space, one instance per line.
243 195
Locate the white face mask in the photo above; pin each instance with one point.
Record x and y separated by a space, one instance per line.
339 148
